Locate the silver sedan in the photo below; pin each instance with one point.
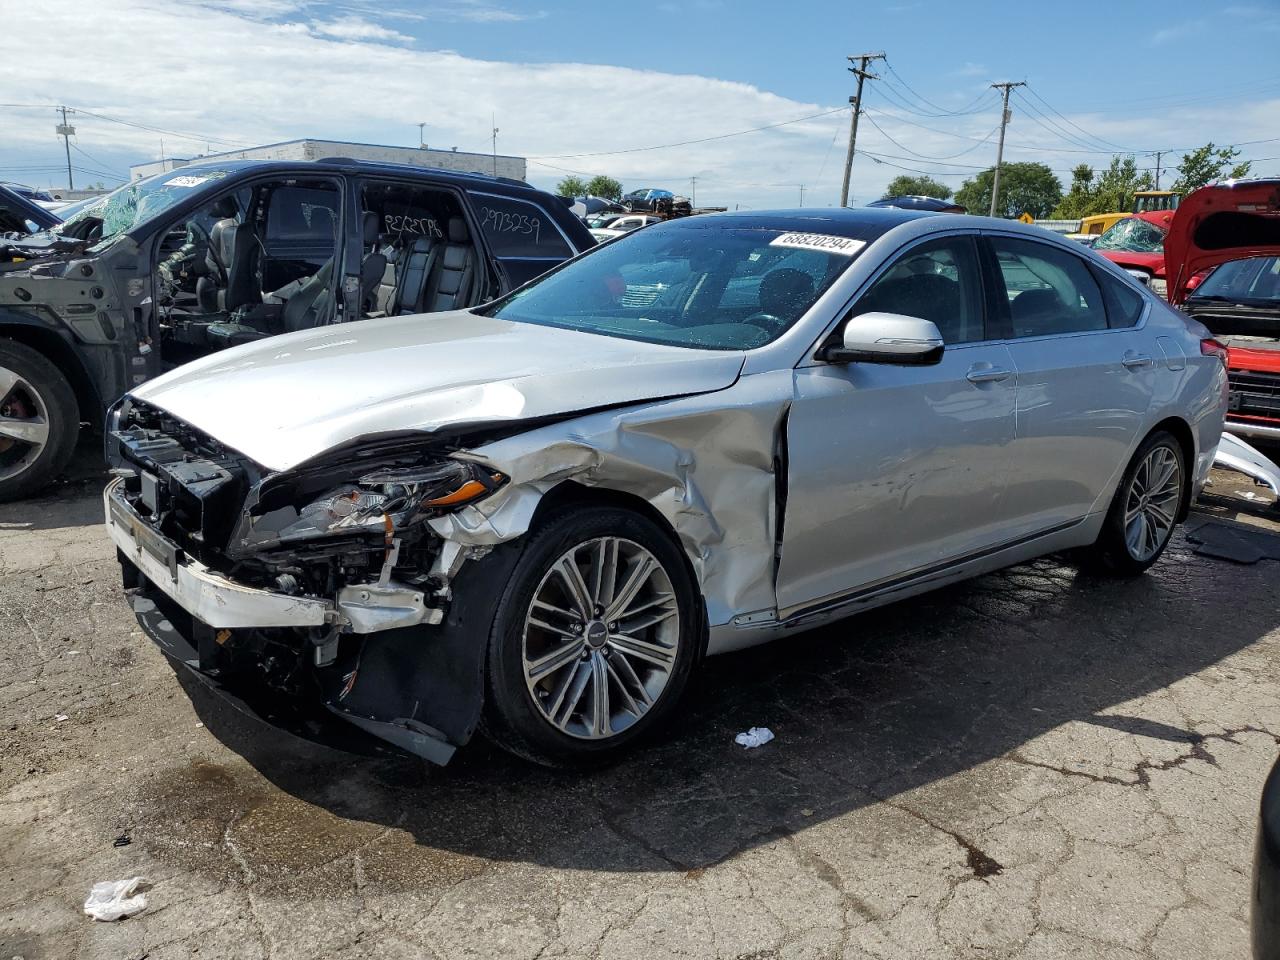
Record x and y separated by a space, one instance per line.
541 513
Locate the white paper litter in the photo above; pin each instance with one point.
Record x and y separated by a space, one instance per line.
114 899
755 737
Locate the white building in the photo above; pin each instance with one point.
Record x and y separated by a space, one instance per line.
499 165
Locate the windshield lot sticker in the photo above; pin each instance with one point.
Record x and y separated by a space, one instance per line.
819 241
185 181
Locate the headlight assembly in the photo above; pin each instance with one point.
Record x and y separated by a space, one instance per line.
381 502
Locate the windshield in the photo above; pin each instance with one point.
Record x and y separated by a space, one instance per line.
135 203
1132 235
1240 281
712 287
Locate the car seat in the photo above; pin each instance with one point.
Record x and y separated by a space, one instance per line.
373 264
232 281
452 271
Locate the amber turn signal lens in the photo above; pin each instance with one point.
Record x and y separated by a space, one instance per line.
468 491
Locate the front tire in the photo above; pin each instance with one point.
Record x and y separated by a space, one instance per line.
1145 509
594 638
39 420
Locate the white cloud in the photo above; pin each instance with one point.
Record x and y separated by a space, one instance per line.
357 28
971 70
212 70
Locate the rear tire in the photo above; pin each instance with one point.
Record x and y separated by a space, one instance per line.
1144 510
581 667
39 420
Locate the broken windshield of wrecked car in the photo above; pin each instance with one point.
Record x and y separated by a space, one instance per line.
137 202
713 287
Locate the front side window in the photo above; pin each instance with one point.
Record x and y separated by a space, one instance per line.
1050 291
710 287
938 281
303 213
1132 235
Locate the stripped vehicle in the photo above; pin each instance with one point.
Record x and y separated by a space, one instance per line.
189 262
542 512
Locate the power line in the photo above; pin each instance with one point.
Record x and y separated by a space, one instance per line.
1091 136
972 107
925 156
684 143
1047 123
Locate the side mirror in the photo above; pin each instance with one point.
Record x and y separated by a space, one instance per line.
886 338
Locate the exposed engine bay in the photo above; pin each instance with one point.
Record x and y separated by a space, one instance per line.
347 536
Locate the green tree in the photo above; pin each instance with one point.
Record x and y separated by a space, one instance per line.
571 187
602 186
1024 188
1079 197
1206 164
1111 192
905 185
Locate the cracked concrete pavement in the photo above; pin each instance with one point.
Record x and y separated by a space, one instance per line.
1036 764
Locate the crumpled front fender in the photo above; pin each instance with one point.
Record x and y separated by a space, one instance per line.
706 463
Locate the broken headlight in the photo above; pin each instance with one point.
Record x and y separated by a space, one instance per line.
382 501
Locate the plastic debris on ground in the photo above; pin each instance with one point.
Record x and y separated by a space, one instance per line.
116 899
755 737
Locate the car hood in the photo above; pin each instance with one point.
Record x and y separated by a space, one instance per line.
1226 221
283 400
1151 262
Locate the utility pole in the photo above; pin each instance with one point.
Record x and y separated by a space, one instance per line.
1159 154
494 120
1004 122
65 131
693 191
860 71
422 145
802 194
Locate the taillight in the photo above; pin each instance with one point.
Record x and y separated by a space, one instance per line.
1212 348
1196 280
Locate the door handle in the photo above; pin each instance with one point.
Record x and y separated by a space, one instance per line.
1132 362
987 374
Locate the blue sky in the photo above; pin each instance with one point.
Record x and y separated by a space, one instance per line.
579 85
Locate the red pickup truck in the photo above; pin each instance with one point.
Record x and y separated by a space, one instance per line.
1231 232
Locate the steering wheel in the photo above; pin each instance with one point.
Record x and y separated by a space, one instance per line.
776 323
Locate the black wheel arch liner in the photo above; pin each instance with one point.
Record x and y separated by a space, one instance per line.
87 371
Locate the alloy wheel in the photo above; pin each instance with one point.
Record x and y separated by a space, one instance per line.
601 638
24 424
1151 503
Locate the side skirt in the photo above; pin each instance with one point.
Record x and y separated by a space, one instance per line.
725 638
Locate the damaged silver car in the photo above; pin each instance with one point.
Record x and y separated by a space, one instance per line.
539 515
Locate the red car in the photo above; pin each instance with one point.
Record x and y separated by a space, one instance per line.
1136 243
1231 232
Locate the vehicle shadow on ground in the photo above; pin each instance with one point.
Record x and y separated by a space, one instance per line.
863 710
67 500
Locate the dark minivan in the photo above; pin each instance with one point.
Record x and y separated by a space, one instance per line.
208 256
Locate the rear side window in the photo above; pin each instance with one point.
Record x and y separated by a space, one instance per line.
302 213
514 228
1050 291
1124 304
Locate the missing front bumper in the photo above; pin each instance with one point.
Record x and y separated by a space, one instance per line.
395 684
